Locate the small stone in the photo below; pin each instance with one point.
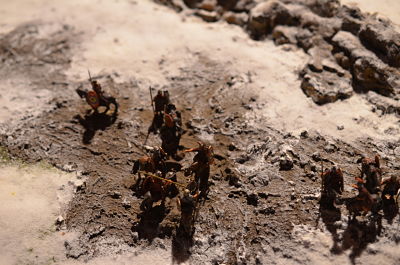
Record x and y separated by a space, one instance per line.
126 204
135 236
252 199
70 167
267 211
60 220
316 157
207 15
330 147
79 185
285 163
325 86
232 147
304 134
239 19
115 194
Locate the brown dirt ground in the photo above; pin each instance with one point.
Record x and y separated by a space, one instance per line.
251 202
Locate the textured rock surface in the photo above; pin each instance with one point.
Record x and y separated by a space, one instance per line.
364 45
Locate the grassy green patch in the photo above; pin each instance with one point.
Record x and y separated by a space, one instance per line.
4 155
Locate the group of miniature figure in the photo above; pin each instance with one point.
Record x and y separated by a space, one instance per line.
156 173
374 192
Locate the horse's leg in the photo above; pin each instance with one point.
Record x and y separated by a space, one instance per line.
107 108
116 105
397 196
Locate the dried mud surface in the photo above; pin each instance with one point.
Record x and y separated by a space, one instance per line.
264 183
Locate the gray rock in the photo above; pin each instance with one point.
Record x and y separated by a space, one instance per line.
325 87
266 15
60 220
375 75
208 5
192 3
384 104
239 19
316 156
252 199
284 34
304 134
369 72
209 16
380 37
352 19
74 249
70 167
330 147
260 180
285 163
78 184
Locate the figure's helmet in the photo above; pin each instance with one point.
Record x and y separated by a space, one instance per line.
186 192
96 86
166 93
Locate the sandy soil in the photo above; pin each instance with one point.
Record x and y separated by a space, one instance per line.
140 43
32 199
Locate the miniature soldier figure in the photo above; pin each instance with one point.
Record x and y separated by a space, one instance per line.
371 169
364 202
170 134
188 205
175 114
391 189
153 188
332 185
96 97
201 166
161 100
96 87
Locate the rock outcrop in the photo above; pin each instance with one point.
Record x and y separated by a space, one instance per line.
349 50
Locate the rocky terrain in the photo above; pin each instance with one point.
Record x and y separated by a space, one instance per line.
262 207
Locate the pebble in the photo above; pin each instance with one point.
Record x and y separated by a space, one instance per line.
285 163
60 220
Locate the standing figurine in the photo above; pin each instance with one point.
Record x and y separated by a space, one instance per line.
332 185
159 103
187 206
170 134
371 169
391 189
201 166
